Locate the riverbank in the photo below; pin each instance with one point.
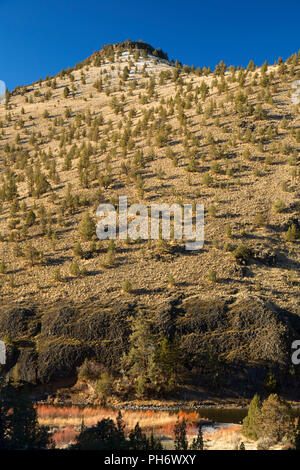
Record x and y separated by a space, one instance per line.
223 432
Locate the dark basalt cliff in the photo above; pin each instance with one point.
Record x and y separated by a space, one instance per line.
230 343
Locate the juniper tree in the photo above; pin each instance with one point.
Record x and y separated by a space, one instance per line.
251 422
275 419
30 218
292 233
19 428
32 254
180 440
66 92
87 227
127 286
74 269
77 250
3 267
198 443
228 231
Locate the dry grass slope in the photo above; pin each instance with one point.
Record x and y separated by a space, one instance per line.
126 123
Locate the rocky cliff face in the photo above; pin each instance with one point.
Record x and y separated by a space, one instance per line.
238 339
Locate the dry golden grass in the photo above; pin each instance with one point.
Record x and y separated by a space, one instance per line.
246 195
56 416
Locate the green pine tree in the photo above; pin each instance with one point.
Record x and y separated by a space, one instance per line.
251 422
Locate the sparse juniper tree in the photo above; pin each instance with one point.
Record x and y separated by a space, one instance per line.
3 267
74 269
212 275
32 254
78 251
220 68
66 92
30 218
251 66
292 233
127 286
228 231
87 227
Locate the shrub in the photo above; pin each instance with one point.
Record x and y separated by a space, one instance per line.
57 277
279 206
74 269
110 259
207 179
212 211
228 231
271 382
3 267
212 275
242 253
127 287
259 113
292 233
259 220
171 281
77 250
192 166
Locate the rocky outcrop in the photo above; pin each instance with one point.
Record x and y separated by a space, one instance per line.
240 337
241 329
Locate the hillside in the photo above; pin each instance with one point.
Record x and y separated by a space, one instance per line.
127 121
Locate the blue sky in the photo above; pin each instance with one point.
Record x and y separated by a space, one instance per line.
40 37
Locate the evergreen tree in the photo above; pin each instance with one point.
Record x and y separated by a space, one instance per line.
139 362
180 440
276 421
87 227
251 66
138 440
251 422
66 92
77 250
198 443
107 435
19 428
168 365
30 218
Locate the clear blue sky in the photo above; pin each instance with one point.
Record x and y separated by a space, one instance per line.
40 37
